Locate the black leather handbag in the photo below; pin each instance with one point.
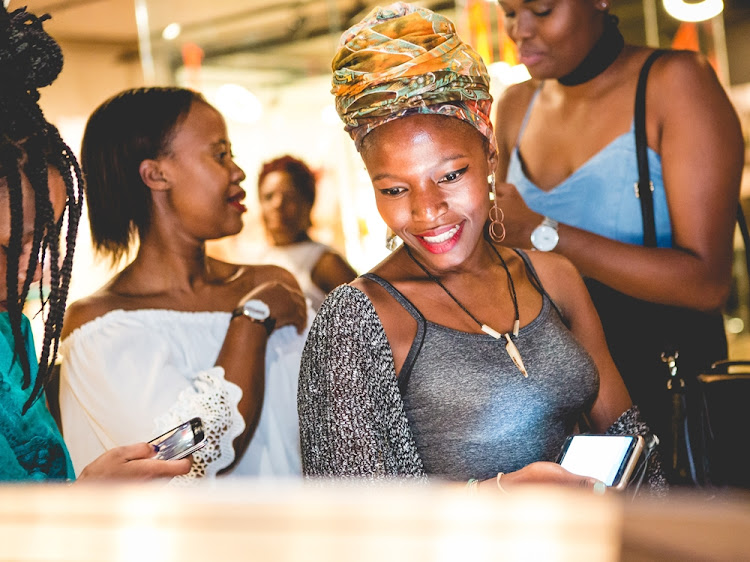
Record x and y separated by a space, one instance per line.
718 435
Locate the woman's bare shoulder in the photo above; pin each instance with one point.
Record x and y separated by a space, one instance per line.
90 308
555 271
257 274
515 99
510 110
685 74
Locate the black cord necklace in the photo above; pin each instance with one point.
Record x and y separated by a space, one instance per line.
510 347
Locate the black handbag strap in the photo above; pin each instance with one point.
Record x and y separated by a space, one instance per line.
644 186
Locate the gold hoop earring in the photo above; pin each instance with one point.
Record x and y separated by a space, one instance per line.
391 240
496 228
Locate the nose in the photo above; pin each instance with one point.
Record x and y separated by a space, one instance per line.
238 174
427 203
522 27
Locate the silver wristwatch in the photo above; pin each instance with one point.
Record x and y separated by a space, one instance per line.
545 237
257 311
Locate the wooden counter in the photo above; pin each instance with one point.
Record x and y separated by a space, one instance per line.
277 521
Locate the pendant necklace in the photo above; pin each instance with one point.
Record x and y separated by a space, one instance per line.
510 347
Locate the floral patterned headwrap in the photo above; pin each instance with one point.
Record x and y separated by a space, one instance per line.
401 60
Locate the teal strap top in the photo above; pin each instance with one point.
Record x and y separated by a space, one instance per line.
31 446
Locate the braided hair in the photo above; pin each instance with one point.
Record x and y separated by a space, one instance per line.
30 146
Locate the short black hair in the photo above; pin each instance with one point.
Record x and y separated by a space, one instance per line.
133 126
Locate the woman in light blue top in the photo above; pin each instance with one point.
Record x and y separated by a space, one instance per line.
568 151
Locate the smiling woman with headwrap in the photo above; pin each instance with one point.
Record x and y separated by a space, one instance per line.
453 357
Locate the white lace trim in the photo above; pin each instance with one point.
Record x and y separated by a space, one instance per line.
214 399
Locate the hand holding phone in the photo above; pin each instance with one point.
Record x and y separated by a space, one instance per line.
609 458
181 441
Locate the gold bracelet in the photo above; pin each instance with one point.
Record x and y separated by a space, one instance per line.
500 486
472 487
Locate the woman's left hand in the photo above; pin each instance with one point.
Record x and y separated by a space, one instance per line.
543 472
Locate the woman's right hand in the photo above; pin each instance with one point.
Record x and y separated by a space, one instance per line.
543 472
133 462
288 306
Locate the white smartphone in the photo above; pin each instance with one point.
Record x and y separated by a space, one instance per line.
181 441
609 458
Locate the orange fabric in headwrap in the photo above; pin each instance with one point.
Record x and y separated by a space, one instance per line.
402 60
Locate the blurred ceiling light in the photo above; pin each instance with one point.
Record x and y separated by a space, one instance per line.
172 31
508 74
238 103
693 11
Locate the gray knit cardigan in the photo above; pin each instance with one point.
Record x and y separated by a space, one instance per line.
352 418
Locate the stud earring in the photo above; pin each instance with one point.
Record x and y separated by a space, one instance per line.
496 228
391 240
603 5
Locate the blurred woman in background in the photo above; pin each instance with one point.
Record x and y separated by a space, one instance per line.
286 190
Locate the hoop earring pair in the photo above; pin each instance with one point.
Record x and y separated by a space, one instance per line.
496 227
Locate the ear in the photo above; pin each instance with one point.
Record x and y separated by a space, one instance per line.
492 161
153 176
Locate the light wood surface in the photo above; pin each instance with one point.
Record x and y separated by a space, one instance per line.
274 521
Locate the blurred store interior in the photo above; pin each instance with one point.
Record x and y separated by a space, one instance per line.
266 65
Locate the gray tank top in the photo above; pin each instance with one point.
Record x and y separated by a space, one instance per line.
472 413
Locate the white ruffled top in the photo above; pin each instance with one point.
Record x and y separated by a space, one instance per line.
129 376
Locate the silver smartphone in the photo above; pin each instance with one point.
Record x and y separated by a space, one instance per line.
609 458
181 441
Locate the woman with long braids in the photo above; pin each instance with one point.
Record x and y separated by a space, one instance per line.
40 204
454 357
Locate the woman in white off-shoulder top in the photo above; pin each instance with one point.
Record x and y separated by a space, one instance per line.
178 334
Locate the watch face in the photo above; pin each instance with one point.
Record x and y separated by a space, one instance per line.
256 309
544 238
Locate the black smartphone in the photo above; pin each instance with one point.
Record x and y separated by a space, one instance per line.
609 458
181 441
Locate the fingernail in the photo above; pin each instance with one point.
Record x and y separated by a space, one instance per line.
599 487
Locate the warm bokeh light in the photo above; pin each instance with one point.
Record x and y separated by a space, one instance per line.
172 31
693 11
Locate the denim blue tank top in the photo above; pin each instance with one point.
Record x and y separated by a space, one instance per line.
600 195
